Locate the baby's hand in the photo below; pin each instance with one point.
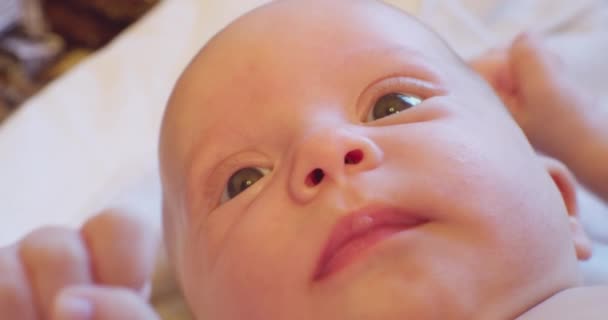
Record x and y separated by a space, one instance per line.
551 108
99 272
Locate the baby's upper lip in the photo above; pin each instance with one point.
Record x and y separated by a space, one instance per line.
358 223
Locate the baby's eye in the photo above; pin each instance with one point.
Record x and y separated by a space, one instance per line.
241 180
392 103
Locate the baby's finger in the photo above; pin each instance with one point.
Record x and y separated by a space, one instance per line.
15 294
122 249
53 258
101 303
494 67
535 68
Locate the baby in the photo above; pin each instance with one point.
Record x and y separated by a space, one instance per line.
331 160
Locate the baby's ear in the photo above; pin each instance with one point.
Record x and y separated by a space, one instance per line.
565 182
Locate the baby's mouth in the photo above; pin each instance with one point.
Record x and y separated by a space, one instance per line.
359 231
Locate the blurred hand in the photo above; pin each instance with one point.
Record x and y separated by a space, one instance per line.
99 272
551 108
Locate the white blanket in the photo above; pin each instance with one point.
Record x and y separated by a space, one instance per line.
88 140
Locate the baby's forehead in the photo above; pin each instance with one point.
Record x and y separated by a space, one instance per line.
267 46
317 27
273 41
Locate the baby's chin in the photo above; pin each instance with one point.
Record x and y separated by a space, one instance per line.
384 289
396 280
379 288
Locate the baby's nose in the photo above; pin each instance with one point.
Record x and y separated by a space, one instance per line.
330 155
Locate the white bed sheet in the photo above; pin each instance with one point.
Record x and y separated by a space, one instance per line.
88 141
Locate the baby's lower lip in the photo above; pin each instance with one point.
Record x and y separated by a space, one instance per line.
357 248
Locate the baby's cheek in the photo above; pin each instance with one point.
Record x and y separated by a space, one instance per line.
193 266
209 286
244 271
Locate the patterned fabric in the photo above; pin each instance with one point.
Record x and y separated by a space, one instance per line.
26 47
35 35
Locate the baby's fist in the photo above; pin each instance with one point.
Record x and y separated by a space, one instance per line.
101 303
551 108
109 250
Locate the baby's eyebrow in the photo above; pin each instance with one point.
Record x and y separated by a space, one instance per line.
419 64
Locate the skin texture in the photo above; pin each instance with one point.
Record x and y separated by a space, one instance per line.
503 232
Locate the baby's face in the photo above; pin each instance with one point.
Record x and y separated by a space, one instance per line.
341 163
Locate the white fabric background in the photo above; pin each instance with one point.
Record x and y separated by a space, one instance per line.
88 141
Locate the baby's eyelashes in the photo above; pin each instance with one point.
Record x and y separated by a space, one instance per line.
390 104
241 180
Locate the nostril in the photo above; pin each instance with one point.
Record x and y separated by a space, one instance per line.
315 177
353 157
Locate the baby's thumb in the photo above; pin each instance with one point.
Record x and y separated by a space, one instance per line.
101 303
535 69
